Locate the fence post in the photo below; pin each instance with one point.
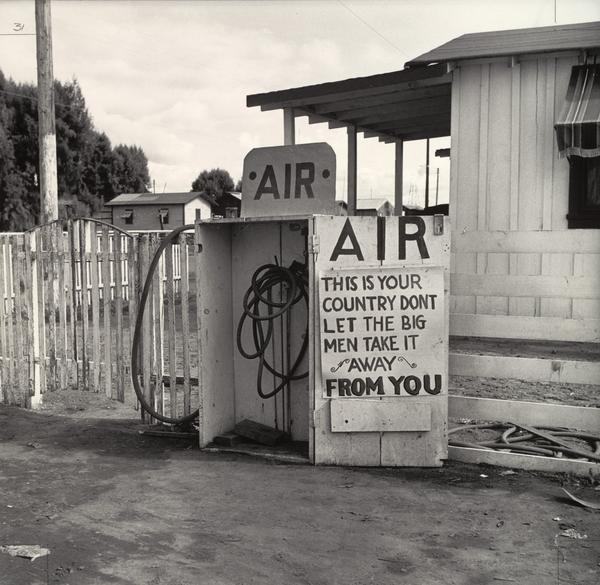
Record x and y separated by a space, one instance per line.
37 322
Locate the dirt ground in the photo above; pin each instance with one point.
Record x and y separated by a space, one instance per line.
117 507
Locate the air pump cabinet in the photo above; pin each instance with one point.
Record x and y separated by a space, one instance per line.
377 385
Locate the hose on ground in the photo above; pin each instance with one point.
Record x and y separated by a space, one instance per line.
549 442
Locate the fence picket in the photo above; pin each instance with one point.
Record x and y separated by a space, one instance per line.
61 333
185 320
82 232
132 293
106 306
69 317
50 303
146 337
158 330
56 330
94 379
41 312
4 369
17 262
170 314
9 309
117 241
71 226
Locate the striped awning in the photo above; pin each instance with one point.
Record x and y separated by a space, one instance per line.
578 126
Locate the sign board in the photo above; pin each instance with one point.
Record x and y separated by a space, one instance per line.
289 180
382 331
380 347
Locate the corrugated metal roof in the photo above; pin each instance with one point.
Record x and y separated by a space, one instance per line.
515 42
154 198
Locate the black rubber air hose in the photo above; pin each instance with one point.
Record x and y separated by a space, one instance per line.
138 329
262 310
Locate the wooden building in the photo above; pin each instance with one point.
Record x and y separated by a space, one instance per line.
526 219
526 256
379 206
167 211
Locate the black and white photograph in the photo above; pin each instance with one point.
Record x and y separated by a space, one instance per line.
300 292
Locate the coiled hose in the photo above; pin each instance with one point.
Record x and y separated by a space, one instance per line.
262 310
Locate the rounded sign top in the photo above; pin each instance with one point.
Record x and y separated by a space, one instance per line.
289 180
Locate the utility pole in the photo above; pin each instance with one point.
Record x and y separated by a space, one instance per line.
47 128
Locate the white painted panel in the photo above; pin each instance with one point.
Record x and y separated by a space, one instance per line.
293 245
517 327
529 462
215 316
465 263
546 286
496 263
530 197
374 448
543 370
586 308
499 151
556 264
558 241
468 154
359 416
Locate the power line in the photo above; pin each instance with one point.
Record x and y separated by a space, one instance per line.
373 29
34 99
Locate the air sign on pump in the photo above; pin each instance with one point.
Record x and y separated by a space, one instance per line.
289 180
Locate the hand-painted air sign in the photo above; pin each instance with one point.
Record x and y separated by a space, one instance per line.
289 180
382 332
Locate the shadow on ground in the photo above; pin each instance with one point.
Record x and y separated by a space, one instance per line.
117 507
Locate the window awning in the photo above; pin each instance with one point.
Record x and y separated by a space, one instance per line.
128 214
578 126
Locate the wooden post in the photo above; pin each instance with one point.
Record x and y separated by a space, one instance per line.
47 132
289 127
427 174
398 177
351 170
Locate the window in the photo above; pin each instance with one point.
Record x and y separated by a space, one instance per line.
578 138
584 192
127 216
163 216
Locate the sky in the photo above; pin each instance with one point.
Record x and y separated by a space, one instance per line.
172 76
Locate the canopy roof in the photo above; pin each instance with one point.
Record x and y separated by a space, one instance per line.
410 104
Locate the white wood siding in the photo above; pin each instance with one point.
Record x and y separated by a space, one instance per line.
507 187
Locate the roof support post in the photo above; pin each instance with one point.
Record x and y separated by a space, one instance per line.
289 127
398 170
351 169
